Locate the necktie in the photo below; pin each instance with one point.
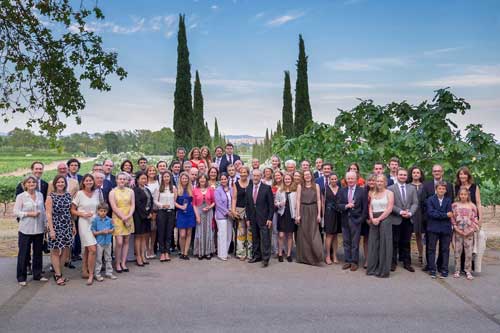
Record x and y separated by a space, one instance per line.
255 190
38 185
403 193
349 198
231 159
101 196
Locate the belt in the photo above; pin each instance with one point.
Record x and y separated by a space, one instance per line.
308 203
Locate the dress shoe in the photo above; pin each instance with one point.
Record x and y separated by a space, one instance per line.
254 260
69 265
393 268
265 263
354 267
409 268
346 266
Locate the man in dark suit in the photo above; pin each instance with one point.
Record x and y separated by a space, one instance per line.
180 155
107 168
219 151
42 186
354 208
429 190
322 181
259 211
378 169
73 169
405 206
393 169
228 158
319 166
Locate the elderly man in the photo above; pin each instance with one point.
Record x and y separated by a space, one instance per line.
259 211
193 176
107 168
305 165
186 166
73 186
290 166
353 205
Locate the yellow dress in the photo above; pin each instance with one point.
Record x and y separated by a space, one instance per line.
122 198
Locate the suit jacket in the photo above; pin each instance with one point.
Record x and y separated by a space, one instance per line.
78 178
410 204
141 199
437 218
359 212
389 180
316 174
44 186
73 187
112 180
224 162
430 189
263 209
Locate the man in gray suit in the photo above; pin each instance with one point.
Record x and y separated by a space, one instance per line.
405 206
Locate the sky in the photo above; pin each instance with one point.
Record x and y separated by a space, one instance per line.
369 49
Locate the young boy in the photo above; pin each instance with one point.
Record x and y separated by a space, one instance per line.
102 227
439 215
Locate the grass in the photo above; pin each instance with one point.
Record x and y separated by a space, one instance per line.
11 162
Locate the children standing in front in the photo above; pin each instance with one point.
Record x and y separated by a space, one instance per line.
103 228
465 223
439 229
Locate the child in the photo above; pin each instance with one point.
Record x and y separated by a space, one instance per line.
464 224
439 229
103 228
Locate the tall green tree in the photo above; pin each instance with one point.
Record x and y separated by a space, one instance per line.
287 113
183 107
216 139
303 112
207 139
279 129
198 128
47 55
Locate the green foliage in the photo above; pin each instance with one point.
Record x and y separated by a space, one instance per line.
183 107
10 162
46 53
198 127
287 112
303 112
419 135
7 190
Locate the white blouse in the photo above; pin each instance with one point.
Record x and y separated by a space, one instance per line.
164 198
24 204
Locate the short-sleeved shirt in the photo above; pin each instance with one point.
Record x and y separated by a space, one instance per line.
99 224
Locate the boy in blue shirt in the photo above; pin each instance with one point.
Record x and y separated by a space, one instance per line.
103 228
438 208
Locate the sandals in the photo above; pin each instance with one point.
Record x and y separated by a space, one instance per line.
60 280
456 275
469 276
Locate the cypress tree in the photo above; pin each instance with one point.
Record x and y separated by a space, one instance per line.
207 139
287 113
303 113
198 126
216 140
183 107
279 129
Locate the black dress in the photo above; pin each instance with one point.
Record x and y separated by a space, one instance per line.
285 221
332 214
143 207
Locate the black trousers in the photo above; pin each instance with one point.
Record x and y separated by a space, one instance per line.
165 222
444 240
24 244
401 238
261 241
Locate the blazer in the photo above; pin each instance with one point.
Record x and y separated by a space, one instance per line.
140 212
281 198
411 203
437 218
359 212
224 162
321 182
222 204
316 174
112 180
429 189
44 186
263 210
389 180
73 187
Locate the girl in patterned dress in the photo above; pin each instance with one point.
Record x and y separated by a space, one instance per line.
61 227
465 223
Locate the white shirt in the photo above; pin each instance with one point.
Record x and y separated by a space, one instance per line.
24 204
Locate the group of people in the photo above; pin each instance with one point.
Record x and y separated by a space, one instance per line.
217 206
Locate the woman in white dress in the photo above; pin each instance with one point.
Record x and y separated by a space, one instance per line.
84 206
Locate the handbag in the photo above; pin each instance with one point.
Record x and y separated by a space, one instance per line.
45 245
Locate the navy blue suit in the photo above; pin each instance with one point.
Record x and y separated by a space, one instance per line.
438 229
224 162
351 221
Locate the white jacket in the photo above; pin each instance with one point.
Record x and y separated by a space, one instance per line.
281 201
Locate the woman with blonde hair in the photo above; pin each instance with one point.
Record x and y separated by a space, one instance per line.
380 239
206 156
286 200
186 214
150 238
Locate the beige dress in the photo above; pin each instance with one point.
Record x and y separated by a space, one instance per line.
85 204
309 245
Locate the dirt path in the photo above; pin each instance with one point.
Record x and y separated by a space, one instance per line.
48 167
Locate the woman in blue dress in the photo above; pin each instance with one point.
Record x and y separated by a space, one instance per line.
186 218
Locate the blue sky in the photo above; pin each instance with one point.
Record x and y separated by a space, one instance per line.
383 50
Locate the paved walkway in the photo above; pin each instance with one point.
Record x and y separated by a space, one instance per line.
215 296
